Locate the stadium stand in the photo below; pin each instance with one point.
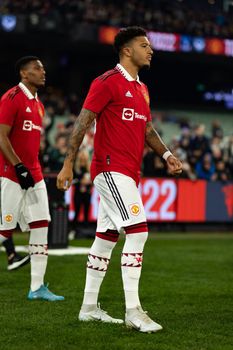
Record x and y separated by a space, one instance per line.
199 18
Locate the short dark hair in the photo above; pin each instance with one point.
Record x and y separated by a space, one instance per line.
127 34
23 61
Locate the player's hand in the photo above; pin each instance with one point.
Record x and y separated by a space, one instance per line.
174 165
64 179
24 176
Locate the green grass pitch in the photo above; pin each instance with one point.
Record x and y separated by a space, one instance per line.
186 285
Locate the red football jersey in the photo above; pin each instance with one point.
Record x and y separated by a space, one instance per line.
122 105
24 113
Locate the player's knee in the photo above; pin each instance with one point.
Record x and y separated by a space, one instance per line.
137 232
137 238
102 247
39 232
109 235
38 224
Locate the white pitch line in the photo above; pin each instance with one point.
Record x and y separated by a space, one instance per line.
57 252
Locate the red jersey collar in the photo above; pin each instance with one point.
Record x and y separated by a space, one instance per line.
27 92
125 74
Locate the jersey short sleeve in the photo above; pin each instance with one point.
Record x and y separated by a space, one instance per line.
98 96
149 118
8 110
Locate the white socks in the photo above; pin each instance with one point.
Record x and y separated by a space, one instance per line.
38 250
97 264
131 266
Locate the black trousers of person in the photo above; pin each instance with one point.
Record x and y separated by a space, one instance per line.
9 246
81 199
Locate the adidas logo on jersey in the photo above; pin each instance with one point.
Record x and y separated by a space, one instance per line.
28 110
128 94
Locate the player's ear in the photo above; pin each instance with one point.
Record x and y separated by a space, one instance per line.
22 73
127 51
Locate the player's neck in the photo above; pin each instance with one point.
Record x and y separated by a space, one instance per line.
30 87
131 69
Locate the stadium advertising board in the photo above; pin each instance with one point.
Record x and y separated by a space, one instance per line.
172 42
177 200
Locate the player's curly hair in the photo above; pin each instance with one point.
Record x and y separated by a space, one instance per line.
23 61
127 34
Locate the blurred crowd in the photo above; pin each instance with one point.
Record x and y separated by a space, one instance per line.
198 18
204 157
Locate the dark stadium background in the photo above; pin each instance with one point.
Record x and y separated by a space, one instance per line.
174 79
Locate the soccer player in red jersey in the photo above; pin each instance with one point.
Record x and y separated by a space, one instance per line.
119 103
24 197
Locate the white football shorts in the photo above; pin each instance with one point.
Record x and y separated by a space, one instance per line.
120 202
22 206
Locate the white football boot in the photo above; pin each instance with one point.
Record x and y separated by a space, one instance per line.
138 319
95 313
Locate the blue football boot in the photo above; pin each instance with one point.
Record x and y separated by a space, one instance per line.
43 293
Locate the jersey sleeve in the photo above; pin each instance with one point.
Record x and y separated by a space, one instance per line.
149 118
8 111
98 96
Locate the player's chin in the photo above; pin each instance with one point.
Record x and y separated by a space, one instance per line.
146 65
40 84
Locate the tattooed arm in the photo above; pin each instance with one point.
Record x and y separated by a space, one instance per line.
156 143
81 125
154 140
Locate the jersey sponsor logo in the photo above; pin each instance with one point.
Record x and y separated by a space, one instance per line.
128 94
128 114
28 110
8 218
29 126
134 209
140 116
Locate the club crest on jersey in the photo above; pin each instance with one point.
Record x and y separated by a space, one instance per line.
40 111
8 218
128 114
134 209
146 95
